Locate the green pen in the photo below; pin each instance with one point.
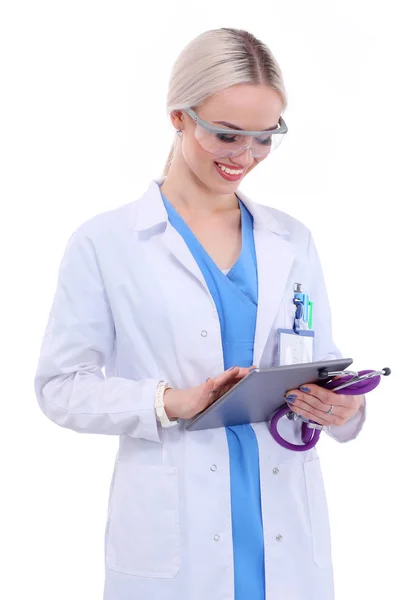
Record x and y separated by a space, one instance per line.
310 315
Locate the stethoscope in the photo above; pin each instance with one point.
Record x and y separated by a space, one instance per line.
350 383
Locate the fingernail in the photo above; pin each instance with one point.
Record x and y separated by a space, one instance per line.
252 368
291 398
231 368
304 388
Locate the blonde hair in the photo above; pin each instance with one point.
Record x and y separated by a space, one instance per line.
215 60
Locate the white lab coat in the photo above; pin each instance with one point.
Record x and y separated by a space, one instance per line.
131 298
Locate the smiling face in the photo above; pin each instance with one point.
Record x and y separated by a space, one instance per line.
246 107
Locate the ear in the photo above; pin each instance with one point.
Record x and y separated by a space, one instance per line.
177 119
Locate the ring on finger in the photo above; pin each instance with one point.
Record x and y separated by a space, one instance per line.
330 411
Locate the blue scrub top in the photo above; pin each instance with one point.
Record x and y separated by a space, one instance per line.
236 296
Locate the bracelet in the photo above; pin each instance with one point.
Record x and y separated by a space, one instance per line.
160 407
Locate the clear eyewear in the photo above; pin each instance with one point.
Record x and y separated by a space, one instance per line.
227 143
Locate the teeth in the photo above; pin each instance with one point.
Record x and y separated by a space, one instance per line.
230 171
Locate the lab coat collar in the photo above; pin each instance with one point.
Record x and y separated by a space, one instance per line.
151 211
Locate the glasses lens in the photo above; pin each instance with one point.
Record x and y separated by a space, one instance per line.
227 145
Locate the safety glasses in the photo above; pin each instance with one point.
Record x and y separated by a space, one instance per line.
223 142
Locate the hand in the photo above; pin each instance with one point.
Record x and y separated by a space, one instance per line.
185 404
313 402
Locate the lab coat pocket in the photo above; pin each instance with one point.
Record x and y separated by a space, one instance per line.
318 510
143 531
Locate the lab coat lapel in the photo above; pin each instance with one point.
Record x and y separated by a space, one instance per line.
274 261
151 214
275 256
178 247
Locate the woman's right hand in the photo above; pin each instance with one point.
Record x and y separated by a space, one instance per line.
185 404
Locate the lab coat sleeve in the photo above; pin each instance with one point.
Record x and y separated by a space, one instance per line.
79 338
325 348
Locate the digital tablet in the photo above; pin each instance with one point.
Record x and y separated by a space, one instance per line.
256 397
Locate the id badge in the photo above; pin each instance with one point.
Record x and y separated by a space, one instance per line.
295 348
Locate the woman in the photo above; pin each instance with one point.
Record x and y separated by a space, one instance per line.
178 294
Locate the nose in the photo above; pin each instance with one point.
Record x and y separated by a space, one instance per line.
245 158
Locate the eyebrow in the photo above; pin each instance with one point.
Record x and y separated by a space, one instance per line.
228 125
231 126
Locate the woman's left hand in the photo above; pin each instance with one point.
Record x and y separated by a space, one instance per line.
313 402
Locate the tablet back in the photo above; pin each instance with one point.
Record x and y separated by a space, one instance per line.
258 395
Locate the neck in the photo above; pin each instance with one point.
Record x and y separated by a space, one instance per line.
185 191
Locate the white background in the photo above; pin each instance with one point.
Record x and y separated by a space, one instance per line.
84 130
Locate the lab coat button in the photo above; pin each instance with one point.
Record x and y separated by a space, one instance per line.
213 468
216 537
279 538
275 471
204 333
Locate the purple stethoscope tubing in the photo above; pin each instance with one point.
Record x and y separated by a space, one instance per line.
349 383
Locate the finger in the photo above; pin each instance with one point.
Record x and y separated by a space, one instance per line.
327 397
312 403
243 371
217 385
208 386
320 419
226 376
226 380
210 392
320 416
220 390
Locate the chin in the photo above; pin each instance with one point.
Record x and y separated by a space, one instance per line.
228 187
224 187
